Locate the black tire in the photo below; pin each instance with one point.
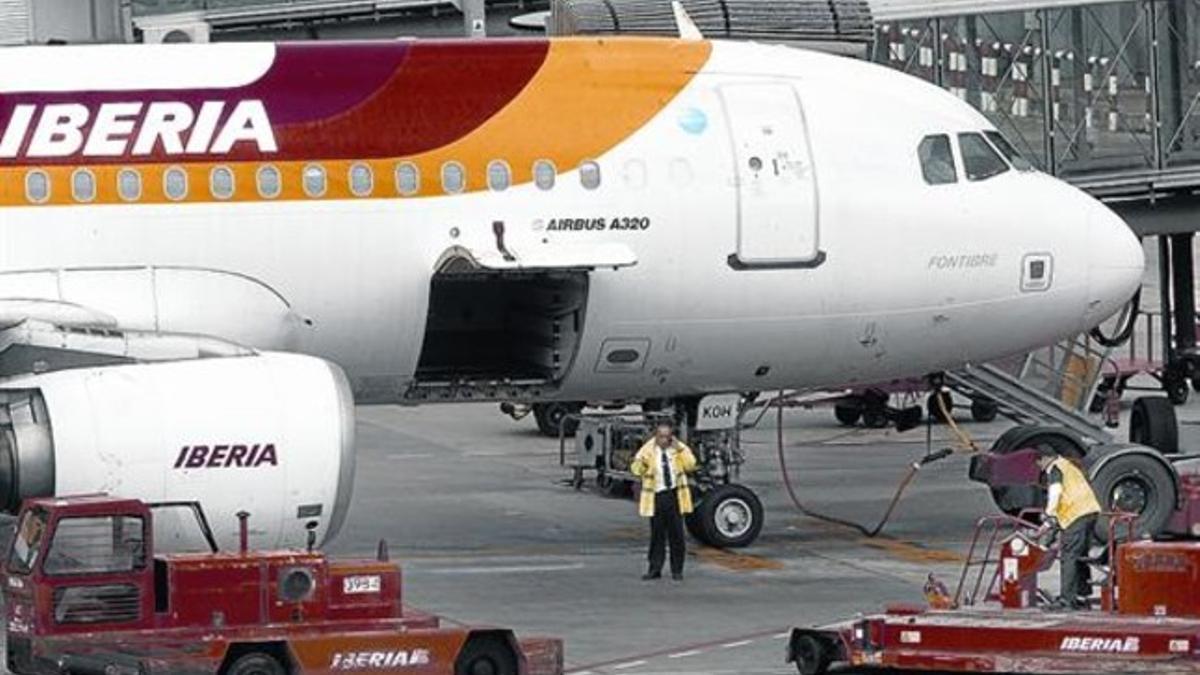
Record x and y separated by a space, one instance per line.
1152 423
695 526
550 416
486 655
1138 483
1196 383
811 654
731 516
847 414
874 417
934 410
256 663
984 410
1177 389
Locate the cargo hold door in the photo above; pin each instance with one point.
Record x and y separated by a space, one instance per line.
778 214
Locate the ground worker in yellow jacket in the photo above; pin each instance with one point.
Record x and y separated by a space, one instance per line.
663 464
1071 506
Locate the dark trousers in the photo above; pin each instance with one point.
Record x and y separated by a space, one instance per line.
666 526
1076 545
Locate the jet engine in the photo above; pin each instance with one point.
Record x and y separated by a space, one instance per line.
271 434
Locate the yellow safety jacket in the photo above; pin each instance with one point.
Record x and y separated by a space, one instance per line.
646 466
1077 498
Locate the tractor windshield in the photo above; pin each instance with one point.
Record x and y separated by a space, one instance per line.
27 542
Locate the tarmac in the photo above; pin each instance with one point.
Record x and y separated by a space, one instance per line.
479 512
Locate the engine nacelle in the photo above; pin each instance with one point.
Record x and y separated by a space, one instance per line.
271 434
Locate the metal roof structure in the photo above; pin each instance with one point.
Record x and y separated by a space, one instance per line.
775 20
899 10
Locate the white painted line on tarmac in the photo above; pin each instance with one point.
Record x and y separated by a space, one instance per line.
682 655
630 664
739 643
781 636
512 569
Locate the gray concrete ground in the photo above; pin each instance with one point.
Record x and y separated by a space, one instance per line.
476 507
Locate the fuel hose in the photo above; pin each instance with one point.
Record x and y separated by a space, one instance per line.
909 474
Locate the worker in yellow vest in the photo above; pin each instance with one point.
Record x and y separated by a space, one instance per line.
663 464
1072 507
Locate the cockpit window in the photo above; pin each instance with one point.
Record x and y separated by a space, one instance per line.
1019 163
937 160
979 159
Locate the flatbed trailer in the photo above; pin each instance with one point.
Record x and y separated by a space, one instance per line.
1146 618
85 593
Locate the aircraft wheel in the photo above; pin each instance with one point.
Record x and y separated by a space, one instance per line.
984 410
731 516
1152 423
1135 483
934 410
486 655
551 416
847 414
256 663
810 654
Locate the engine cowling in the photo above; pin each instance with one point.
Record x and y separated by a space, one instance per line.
271 434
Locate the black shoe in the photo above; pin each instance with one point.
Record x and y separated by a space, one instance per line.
677 576
651 576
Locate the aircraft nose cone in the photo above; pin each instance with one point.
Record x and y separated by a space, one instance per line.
1116 263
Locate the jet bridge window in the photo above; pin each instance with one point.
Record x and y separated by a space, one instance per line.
979 159
1019 163
937 160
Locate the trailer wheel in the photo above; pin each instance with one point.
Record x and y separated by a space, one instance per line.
1152 423
934 409
731 516
1177 388
1136 483
847 414
551 417
256 663
984 409
811 654
486 655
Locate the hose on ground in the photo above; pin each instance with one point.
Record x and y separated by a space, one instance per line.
869 533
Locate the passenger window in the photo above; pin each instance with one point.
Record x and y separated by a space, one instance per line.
37 186
454 177
175 183
129 185
83 185
937 160
499 176
1019 163
362 180
269 185
979 159
314 180
589 175
544 174
408 179
221 182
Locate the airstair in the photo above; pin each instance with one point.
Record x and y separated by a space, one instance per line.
1053 386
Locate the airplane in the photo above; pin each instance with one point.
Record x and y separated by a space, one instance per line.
209 254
